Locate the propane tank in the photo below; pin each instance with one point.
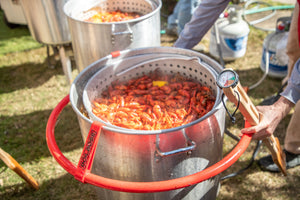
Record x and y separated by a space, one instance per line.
233 35
275 45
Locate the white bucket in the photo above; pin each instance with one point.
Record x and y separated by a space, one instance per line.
233 35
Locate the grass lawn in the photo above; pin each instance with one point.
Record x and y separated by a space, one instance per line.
30 89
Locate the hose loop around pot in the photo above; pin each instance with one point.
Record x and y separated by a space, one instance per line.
138 187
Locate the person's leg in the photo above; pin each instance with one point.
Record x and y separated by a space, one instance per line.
173 19
292 48
184 15
291 145
292 138
185 12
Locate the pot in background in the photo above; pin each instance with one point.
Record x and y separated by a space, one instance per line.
46 21
92 41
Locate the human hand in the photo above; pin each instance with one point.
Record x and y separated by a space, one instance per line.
270 117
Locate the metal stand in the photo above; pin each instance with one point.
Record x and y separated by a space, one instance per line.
65 53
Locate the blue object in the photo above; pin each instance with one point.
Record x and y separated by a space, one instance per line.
235 44
182 14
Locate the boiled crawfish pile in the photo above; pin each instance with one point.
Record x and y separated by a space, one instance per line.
154 102
113 16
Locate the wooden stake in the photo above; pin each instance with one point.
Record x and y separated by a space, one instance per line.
16 167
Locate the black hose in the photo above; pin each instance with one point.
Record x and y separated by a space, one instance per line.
254 154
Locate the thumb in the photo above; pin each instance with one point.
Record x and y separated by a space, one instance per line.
249 130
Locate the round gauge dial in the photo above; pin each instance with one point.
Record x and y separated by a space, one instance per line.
227 78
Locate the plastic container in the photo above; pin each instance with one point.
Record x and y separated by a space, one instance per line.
275 45
233 35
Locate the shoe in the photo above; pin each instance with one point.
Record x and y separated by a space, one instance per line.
199 47
266 163
172 30
270 100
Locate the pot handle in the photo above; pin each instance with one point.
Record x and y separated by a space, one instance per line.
115 33
137 187
191 145
87 157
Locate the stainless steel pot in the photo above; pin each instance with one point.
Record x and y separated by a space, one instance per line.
92 41
46 21
130 155
13 12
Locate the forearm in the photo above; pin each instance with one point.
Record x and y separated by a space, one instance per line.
202 20
282 107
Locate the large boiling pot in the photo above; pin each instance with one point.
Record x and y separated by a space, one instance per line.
46 21
92 41
48 25
163 164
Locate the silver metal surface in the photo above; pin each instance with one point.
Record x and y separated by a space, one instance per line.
191 68
132 155
92 41
46 21
13 11
190 145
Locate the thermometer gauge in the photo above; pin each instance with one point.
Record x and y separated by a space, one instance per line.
227 78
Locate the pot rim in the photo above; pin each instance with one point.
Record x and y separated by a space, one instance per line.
158 4
218 105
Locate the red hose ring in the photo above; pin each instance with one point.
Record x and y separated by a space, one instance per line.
137 187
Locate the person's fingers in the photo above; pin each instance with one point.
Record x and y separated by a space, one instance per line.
260 131
249 130
261 136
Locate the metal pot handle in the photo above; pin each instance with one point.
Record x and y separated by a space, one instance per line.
115 33
85 176
191 145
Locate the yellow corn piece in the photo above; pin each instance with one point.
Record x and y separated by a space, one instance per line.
159 83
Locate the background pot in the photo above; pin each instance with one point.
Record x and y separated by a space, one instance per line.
46 21
92 41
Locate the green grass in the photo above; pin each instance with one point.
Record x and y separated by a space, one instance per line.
15 39
30 89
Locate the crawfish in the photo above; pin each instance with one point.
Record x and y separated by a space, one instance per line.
146 118
188 85
141 105
113 93
175 86
181 100
137 92
171 103
156 92
160 103
166 89
157 111
142 86
185 96
143 80
181 113
191 117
